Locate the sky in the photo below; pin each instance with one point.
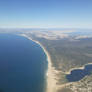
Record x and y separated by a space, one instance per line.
45 13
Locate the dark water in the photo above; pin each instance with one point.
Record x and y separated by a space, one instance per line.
22 65
78 74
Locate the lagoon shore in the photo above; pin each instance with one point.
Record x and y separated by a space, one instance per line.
51 72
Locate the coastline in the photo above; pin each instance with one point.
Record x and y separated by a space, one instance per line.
51 78
51 72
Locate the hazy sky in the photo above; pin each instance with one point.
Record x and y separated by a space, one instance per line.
46 13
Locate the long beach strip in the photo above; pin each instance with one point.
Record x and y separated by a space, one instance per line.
51 76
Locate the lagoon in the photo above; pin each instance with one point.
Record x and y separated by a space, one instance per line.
79 74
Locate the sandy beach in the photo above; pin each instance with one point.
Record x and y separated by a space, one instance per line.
51 72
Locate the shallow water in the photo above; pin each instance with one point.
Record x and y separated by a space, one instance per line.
22 65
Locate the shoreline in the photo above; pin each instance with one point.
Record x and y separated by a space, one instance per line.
51 72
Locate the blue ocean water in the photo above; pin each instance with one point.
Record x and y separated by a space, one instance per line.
22 65
78 74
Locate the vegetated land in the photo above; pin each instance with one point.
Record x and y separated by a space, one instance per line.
67 53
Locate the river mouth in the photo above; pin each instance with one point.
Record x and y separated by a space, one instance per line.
22 65
78 74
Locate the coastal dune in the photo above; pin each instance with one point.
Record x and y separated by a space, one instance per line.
51 72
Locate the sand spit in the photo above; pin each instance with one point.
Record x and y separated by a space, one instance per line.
51 72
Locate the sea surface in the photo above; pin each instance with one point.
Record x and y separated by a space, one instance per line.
22 65
79 74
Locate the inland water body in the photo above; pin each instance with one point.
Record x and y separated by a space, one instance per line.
78 74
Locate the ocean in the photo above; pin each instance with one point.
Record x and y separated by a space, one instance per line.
23 65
